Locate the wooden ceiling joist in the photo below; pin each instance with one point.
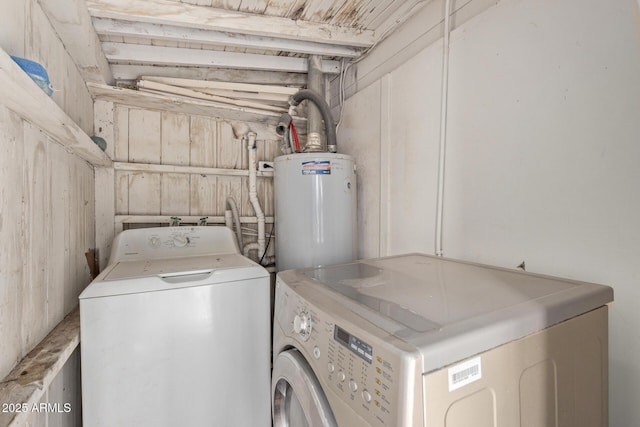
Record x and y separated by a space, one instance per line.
143 30
242 87
158 55
124 72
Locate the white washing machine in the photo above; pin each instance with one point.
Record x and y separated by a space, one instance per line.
416 340
176 332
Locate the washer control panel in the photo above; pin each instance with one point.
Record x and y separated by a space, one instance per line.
170 242
360 369
355 344
362 374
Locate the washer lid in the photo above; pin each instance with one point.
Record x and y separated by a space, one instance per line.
451 309
128 277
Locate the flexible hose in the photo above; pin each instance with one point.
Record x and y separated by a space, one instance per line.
322 105
231 204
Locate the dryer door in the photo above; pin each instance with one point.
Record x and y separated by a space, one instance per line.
298 399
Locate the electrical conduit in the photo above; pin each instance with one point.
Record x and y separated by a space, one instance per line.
443 129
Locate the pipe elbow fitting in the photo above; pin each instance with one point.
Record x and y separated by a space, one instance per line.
283 124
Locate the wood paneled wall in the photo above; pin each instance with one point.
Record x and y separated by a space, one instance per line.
46 211
46 226
43 45
167 138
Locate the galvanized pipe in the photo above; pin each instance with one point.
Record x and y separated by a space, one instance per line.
315 82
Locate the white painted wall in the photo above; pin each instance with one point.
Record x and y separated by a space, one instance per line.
542 149
46 210
369 178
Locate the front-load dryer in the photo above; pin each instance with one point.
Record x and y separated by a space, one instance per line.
176 332
416 340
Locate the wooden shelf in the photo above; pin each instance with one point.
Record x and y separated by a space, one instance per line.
23 96
28 382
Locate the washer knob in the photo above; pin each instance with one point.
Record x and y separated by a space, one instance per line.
366 396
302 325
154 242
180 241
341 376
353 386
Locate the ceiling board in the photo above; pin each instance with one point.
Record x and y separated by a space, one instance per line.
183 15
259 41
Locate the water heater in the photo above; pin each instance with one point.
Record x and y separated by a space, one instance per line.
315 206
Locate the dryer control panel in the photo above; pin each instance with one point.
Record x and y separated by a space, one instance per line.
354 364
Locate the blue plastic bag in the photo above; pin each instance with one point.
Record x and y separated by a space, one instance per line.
37 73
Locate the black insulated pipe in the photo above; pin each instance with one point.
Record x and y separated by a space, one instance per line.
329 128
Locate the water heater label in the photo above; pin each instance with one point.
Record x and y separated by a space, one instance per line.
316 167
465 373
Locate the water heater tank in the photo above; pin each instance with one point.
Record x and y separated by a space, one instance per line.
315 206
